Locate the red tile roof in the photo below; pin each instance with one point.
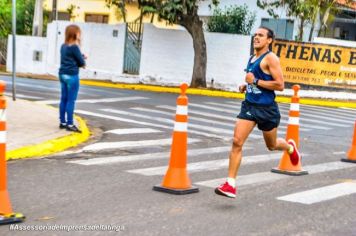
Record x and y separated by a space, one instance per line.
348 5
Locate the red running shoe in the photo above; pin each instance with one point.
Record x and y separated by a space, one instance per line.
295 155
226 190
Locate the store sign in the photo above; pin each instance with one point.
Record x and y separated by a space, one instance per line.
317 64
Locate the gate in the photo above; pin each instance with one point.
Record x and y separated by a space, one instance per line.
133 44
3 51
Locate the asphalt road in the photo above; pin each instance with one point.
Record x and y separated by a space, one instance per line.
108 181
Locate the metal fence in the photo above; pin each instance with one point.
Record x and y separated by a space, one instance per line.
3 51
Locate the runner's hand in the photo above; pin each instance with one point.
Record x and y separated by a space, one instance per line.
242 88
249 78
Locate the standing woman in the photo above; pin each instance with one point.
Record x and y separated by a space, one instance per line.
71 60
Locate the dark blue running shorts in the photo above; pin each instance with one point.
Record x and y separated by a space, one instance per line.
267 117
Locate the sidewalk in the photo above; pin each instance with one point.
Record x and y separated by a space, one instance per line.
32 130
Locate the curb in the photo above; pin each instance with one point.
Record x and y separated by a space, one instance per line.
216 93
52 146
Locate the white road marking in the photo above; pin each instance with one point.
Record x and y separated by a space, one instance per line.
89 113
339 153
230 125
150 156
303 127
342 110
130 144
102 100
268 177
321 194
208 165
133 131
22 96
209 129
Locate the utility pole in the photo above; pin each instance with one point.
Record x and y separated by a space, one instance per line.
37 27
54 10
13 49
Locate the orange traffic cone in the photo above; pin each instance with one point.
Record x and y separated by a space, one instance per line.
176 180
285 164
6 215
352 152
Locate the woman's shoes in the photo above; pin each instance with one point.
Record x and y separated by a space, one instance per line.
62 125
73 128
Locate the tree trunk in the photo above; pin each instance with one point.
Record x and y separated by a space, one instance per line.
301 28
311 32
37 26
324 21
195 28
315 16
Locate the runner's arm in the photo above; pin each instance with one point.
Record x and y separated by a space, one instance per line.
275 69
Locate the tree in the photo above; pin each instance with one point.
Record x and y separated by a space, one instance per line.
306 10
5 18
295 8
184 13
24 17
327 9
233 20
120 4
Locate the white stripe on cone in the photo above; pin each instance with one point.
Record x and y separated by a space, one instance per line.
2 136
293 121
294 106
182 110
181 126
2 115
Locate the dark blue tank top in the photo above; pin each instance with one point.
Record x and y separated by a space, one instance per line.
256 94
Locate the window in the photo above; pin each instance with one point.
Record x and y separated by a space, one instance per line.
97 18
283 28
62 15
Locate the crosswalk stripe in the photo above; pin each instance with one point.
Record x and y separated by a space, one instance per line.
150 156
305 112
133 131
318 121
323 113
346 111
89 113
323 117
238 105
267 177
209 129
22 96
211 115
215 108
229 125
304 116
235 106
233 118
321 194
208 165
243 180
129 144
285 113
102 100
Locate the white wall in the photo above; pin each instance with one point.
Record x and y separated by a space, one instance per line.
338 42
25 48
167 57
105 52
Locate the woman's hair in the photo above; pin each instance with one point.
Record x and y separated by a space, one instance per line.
71 33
